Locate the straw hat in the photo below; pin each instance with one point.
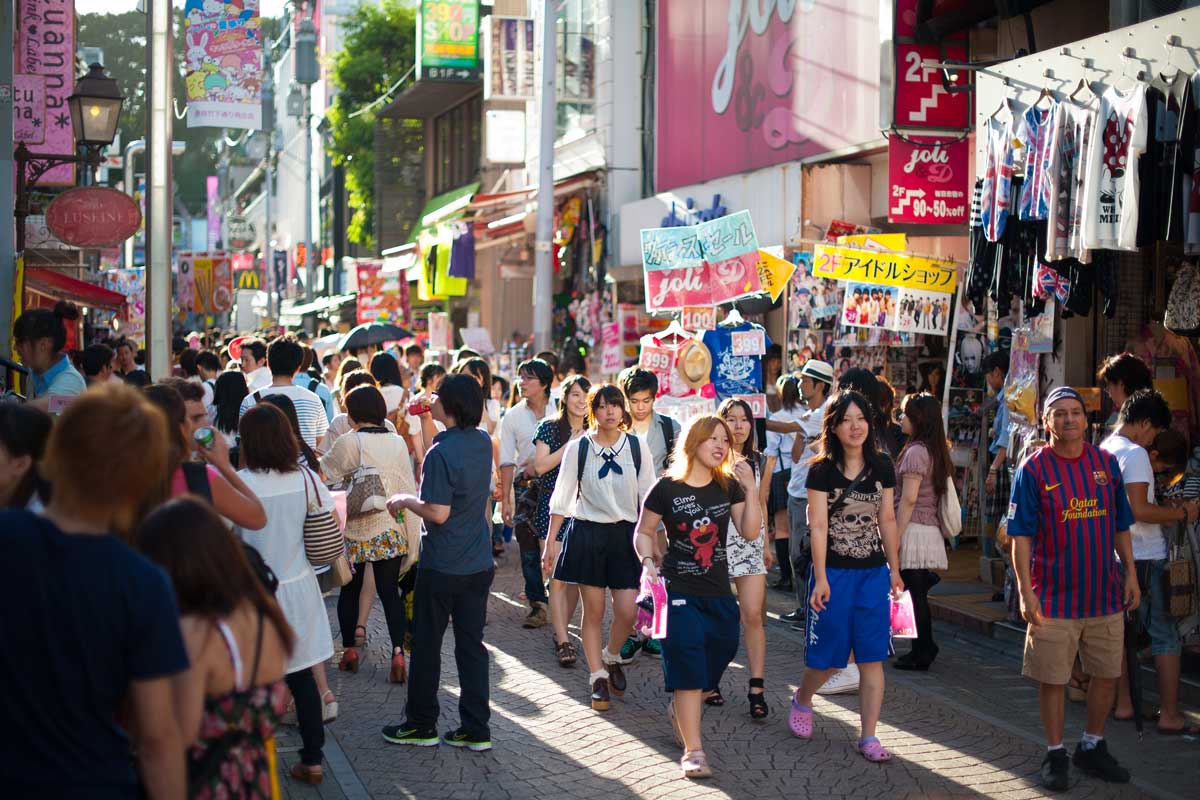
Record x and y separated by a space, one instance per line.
694 364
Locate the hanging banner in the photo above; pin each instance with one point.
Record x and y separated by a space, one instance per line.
439 332
213 193
29 109
132 284
508 59
45 49
707 264
223 59
381 295
774 273
814 302
894 308
611 358
211 277
891 269
929 181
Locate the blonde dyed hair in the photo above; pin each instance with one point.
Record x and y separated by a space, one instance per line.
698 430
109 430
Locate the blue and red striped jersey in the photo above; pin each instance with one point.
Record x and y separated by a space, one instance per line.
1072 508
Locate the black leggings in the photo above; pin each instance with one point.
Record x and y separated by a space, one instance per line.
919 582
387 574
309 714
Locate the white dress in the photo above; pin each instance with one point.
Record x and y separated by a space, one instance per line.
746 557
281 544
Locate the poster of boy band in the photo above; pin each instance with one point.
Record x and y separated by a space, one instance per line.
893 308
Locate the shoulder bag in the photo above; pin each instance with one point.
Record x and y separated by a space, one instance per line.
950 511
1179 579
365 492
323 539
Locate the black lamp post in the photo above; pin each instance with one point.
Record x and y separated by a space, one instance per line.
95 115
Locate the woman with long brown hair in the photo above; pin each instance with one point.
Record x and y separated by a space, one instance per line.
271 456
706 488
238 643
925 471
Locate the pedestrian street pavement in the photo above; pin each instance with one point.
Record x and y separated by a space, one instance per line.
967 728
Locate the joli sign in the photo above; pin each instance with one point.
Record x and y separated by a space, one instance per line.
929 181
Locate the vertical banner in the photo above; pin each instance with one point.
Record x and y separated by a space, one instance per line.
223 59
279 272
185 285
382 296
439 331
214 218
132 284
45 49
611 358
929 180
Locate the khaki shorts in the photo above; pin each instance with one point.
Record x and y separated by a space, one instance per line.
1050 648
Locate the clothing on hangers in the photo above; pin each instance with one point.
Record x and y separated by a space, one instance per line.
980 260
733 374
1110 188
1070 151
1191 187
669 382
1035 133
1154 343
1165 168
997 177
462 251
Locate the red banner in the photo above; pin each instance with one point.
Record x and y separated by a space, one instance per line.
929 181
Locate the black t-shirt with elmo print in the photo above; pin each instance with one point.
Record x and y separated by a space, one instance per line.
696 520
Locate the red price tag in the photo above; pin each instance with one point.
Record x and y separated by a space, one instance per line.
657 359
749 343
699 318
757 403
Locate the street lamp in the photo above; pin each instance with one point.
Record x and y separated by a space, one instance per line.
95 113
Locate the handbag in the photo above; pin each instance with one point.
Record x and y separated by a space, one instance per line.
1179 582
1182 314
323 539
950 511
365 492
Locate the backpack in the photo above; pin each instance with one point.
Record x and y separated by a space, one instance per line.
635 448
668 430
312 385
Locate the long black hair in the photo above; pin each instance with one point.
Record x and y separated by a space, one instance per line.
228 393
43 323
23 432
829 447
750 446
285 404
924 412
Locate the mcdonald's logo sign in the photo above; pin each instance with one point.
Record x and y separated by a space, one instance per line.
248 279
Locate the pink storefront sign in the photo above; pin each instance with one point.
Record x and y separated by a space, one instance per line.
29 109
746 84
929 181
45 47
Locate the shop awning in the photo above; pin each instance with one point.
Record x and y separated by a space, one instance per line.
502 215
428 98
316 306
446 207
64 287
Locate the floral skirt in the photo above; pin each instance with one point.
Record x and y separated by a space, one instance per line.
389 544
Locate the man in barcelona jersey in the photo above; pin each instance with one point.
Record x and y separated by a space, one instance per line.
1069 519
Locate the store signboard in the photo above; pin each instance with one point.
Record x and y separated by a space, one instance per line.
382 295
132 284
921 99
213 194
440 336
45 48
29 109
744 85
700 265
509 68
929 181
448 40
210 277
93 216
611 358
889 269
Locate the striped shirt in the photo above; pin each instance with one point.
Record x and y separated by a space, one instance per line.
1073 510
309 410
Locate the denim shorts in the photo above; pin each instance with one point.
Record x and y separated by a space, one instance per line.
1152 611
702 638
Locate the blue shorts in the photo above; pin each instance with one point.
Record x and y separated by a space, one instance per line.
702 638
857 617
1152 611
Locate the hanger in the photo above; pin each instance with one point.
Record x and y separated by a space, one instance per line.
1082 86
1126 56
1005 105
734 317
674 330
1045 94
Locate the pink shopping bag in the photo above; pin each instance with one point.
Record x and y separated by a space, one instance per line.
652 607
904 621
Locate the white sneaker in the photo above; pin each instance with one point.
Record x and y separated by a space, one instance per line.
844 681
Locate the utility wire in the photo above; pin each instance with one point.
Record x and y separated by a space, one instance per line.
383 98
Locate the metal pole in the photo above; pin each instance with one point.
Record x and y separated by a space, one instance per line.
158 187
268 247
131 149
8 249
309 255
543 285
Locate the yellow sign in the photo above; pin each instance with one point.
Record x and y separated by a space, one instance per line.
896 242
890 269
774 273
247 279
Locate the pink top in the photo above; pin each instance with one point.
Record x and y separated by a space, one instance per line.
915 461
179 483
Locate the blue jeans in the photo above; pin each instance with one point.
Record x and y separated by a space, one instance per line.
531 570
1152 611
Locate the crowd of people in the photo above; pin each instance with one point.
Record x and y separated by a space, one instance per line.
191 584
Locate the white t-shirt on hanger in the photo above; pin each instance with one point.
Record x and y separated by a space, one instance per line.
1110 192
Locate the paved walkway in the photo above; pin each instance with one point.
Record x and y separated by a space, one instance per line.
968 728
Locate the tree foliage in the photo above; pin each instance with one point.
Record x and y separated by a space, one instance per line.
380 47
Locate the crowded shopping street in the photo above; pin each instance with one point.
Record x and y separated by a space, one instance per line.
513 399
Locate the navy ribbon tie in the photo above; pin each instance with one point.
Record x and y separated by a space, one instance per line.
610 464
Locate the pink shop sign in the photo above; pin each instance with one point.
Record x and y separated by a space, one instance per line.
746 84
45 47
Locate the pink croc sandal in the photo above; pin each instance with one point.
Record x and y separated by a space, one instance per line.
800 720
872 750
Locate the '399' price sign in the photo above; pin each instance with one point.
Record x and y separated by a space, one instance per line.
657 359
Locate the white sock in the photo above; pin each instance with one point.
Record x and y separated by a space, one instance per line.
1053 747
609 658
597 675
1089 740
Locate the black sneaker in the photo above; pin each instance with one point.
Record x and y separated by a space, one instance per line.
407 734
799 615
460 738
1056 770
1100 763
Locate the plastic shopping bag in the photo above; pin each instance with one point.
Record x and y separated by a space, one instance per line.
652 608
904 621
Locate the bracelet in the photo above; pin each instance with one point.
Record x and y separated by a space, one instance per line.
646 558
